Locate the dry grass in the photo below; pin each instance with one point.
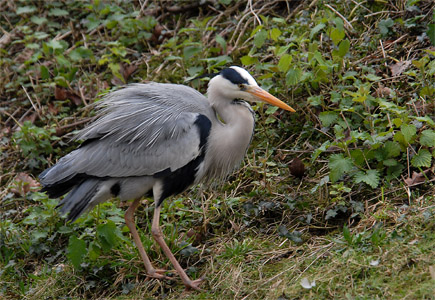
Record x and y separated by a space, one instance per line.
242 253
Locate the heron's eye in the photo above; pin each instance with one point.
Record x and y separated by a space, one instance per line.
242 87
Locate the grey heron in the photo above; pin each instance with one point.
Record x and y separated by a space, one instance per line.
158 139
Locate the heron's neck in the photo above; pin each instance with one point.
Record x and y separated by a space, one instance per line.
230 137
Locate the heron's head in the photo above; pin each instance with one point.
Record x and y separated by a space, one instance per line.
236 83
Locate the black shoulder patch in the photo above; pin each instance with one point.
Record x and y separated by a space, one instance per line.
233 76
179 180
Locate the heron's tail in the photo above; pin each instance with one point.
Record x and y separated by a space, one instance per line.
61 179
79 200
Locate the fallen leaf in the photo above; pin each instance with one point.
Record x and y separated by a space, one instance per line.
61 93
374 263
306 284
416 178
399 67
383 91
127 70
23 183
52 109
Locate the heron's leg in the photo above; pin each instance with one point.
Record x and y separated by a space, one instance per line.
129 221
158 236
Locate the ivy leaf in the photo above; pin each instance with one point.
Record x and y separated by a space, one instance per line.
76 251
427 138
408 131
339 165
422 159
371 177
294 236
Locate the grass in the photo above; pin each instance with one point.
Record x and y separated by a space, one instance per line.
358 225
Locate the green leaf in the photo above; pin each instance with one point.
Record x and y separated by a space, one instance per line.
392 149
53 44
328 118
293 76
44 72
80 53
408 131
57 12
346 234
38 20
427 138
371 177
316 29
422 159
384 26
25 10
275 33
431 33
337 35
343 48
76 251
372 77
260 37
391 162
248 60
190 51
108 235
284 63
221 41
339 165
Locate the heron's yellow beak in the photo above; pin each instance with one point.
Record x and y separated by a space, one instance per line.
266 97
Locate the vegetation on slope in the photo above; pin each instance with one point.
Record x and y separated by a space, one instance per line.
358 224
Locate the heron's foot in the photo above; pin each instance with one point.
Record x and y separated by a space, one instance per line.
158 274
194 284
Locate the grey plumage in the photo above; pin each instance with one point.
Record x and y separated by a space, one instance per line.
158 138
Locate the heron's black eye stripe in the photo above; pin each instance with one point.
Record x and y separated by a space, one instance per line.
233 76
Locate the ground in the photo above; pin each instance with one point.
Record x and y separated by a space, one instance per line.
335 201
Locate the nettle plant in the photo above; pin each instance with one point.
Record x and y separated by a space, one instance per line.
379 137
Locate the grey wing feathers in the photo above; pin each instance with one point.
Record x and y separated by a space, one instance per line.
141 130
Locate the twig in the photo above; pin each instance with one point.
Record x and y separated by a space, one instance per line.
33 104
381 12
253 12
383 51
346 22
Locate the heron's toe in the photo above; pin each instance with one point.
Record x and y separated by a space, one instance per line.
158 274
194 284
